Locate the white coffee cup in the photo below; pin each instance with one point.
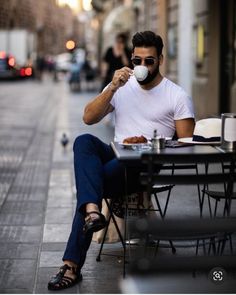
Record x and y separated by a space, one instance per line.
140 72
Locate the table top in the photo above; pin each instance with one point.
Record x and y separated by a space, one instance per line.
124 154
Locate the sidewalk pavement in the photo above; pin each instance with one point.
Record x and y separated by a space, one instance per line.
37 191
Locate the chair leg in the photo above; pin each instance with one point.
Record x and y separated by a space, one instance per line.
162 214
110 207
209 205
200 198
158 205
212 246
103 239
216 206
172 247
223 244
167 202
111 216
125 234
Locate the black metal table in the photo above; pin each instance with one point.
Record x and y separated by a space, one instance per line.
129 155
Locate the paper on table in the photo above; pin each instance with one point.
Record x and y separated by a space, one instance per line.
230 129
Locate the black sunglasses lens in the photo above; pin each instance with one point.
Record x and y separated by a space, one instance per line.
137 61
149 61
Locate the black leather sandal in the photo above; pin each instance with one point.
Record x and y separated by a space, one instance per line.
94 224
60 281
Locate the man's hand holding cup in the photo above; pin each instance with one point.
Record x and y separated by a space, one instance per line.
120 78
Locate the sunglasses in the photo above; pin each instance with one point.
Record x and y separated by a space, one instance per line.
149 61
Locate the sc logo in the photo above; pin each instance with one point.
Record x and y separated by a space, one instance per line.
217 275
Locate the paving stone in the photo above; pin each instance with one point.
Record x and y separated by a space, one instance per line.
61 201
18 274
21 219
54 215
18 250
20 234
51 258
60 177
56 232
33 196
23 207
53 246
28 189
60 191
15 291
100 285
43 289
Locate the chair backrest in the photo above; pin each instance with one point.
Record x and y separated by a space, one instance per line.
154 162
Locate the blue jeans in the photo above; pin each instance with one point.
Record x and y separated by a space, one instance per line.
97 173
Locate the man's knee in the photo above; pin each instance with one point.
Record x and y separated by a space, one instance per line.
81 141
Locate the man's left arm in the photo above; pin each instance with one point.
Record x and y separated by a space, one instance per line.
184 127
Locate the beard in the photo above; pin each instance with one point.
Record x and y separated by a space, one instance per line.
150 76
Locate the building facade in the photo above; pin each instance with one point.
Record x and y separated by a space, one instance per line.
200 47
52 25
200 39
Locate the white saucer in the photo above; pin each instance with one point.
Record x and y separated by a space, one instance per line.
190 140
134 145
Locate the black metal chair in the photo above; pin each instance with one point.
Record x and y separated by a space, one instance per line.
219 195
111 203
155 190
152 175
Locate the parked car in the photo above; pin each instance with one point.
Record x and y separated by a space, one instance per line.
8 67
18 52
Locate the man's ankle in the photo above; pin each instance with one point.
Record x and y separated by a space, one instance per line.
90 207
70 263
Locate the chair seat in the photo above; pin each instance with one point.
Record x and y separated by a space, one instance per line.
218 194
158 188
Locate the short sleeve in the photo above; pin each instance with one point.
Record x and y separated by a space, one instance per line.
113 100
184 107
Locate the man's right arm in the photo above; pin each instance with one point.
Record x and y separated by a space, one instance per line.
100 106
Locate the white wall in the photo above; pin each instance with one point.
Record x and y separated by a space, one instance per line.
185 46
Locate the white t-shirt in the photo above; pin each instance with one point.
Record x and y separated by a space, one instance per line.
138 111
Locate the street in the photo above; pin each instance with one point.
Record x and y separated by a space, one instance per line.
37 190
37 194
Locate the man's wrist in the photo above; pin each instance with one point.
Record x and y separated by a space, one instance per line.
112 87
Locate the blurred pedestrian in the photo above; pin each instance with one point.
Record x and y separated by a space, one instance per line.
89 75
74 75
116 57
40 66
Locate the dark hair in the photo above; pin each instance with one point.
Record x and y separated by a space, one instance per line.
148 39
122 36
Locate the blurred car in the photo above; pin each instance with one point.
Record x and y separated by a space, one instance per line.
8 67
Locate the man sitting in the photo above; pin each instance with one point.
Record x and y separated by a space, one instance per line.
140 107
